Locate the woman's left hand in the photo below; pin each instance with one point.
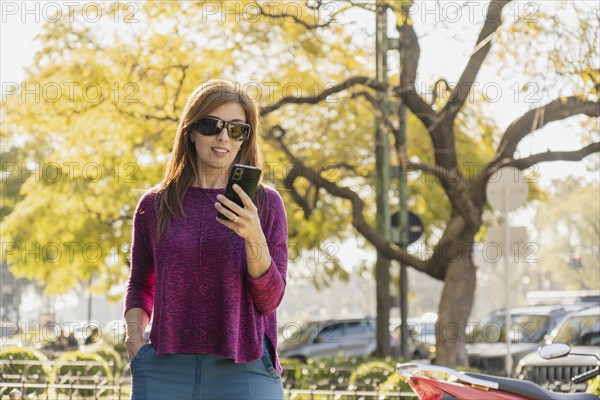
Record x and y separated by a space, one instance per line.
242 220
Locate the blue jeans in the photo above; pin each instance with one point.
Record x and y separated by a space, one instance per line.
202 377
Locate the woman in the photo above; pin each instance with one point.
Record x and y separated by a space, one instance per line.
213 285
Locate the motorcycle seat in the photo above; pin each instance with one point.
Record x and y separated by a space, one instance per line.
530 389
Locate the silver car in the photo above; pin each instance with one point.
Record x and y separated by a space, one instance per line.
328 338
529 328
581 331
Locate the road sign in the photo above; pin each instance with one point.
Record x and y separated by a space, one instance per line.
415 228
497 235
507 190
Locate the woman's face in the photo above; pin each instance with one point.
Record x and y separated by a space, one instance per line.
219 151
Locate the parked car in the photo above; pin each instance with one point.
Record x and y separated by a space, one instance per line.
530 326
329 338
581 331
539 297
422 327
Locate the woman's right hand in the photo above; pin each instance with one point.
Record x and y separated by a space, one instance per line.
137 321
133 345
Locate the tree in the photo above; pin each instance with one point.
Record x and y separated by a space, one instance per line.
96 153
94 119
568 224
451 260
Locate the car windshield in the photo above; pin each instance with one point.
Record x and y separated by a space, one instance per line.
580 331
523 329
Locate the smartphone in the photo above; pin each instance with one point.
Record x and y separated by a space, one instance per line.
247 177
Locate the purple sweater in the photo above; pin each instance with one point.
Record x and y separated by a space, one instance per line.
196 279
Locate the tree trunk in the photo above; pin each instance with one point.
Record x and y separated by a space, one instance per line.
455 306
382 272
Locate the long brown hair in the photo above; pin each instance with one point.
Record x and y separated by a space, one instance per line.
182 168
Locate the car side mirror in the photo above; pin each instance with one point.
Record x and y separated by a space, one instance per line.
554 350
318 339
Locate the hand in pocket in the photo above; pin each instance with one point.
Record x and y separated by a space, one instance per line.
133 347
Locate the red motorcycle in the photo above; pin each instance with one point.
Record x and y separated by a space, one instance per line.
432 382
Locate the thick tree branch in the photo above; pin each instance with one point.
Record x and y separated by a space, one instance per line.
459 95
440 131
302 201
455 186
410 51
348 83
358 221
536 118
576 155
547 156
421 109
441 173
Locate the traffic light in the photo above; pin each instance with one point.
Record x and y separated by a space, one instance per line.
575 262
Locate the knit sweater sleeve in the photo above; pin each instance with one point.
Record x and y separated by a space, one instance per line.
267 291
140 286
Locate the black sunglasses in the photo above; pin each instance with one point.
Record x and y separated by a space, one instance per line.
210 126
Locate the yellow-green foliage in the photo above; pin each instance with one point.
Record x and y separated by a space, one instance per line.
82 374
394 383
370 375
111 356
37 372
594 386
325 373
292 369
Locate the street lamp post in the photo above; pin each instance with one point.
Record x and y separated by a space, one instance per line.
506 191
397 233
382 185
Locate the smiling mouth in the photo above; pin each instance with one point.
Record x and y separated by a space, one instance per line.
220 151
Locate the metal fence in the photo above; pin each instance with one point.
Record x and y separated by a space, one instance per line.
20 380
57 391
30 366
105 391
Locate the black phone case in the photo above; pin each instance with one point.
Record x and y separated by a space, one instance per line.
247 177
